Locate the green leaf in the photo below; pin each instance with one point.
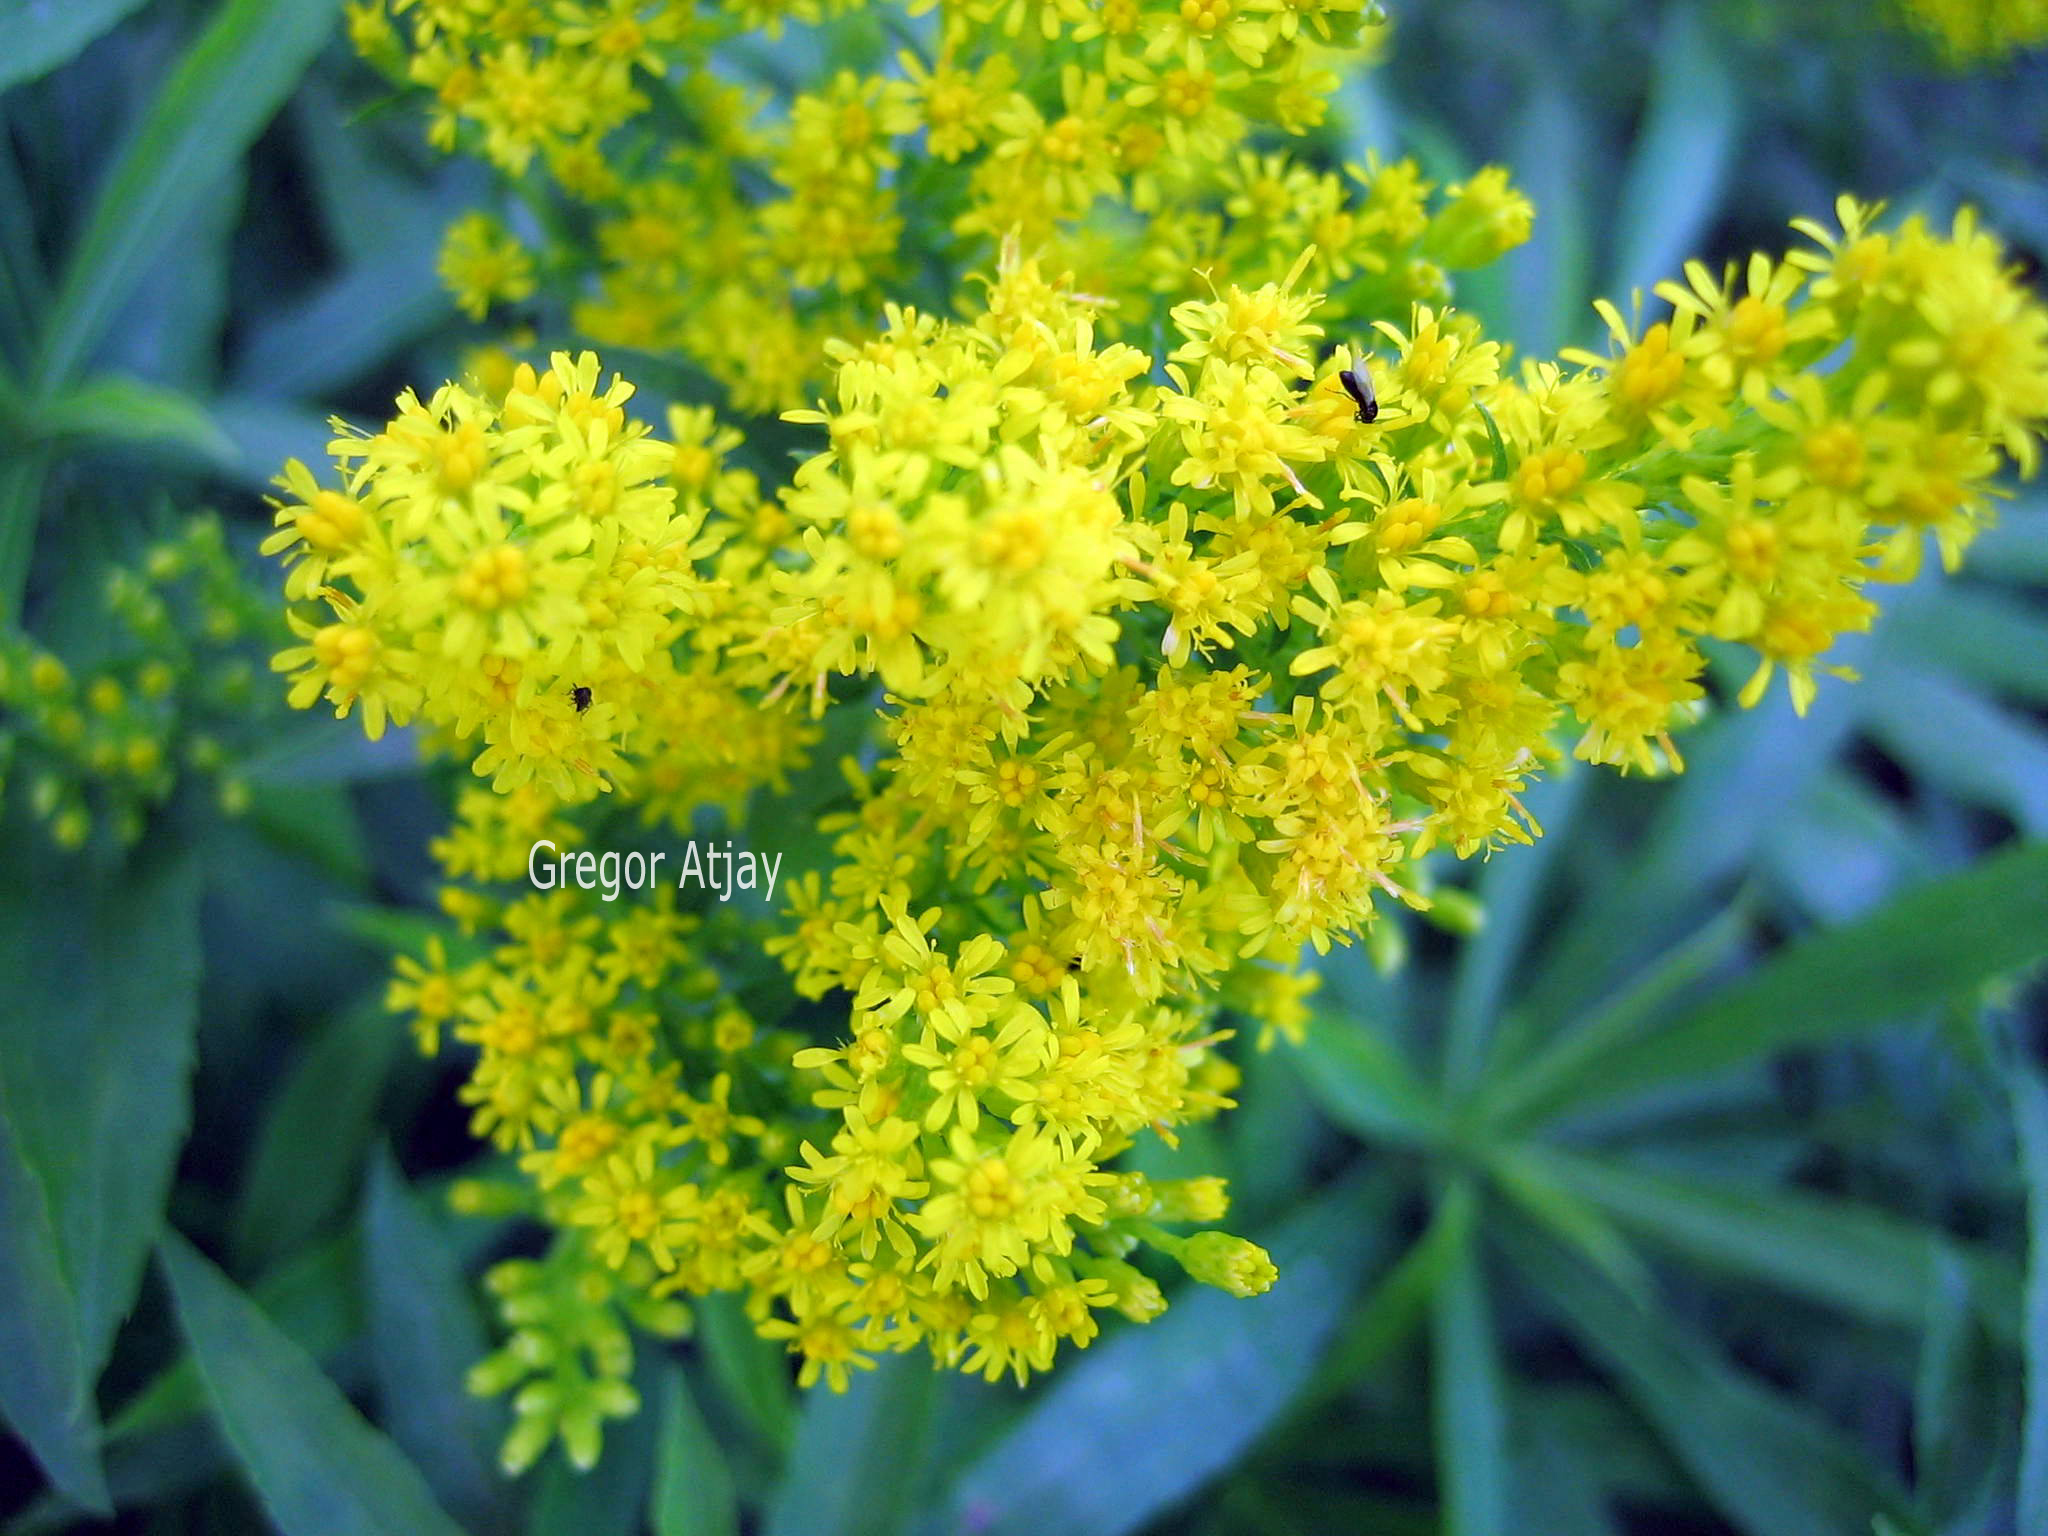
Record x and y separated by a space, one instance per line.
218 98
1929 948
1507 891
1468 1397
424 1336
302 1173
1681 157
1992 638
319 1469
1396 1305
1963 743
1362 1082
2016 548
1558 1490
752 1372
1846 849
1587 1042
37 36
98 987
2030 1110
313 1297
45 1388
611 1498
1501 462
162 1445
1745 771
153 1470
112 409
1150 1414
313 823
693 1493
1549 279
1768 1465
853 1469
1865 1261
1530 1177
351 325
21 504
1274 1135
170 329
1956 1421
268 431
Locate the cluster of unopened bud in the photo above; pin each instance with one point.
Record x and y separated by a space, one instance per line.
163 691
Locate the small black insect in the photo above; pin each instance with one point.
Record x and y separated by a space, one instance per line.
581 695
1358 385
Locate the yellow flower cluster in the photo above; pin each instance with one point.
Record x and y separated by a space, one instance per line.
168 694
1147 680
1970 30
514 571
1113 139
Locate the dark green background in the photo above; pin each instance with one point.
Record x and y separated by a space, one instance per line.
1693 1195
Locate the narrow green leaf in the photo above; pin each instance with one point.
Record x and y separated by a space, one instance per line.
2016 548
343 330
1846 849
1866 1261
45 1388
1501 462
314 823
154 1470
424 1336
853 1469
1549 279
111 409
751 1371
1359 1078
1745 770
1558 1490
1273 1137
1991 638
2030 1110
37 36
315 1299
216 101
24 289
267 431
1468 1398
1397 1304
1955 1441
1508 889
611 1498
1763 1460
1961 742
21 505
1530 1177
162 1443
1149 1415
1586 1044
319 1469
98 985
1929 948
693 1493
1681 156
311 751
303 1171
170 329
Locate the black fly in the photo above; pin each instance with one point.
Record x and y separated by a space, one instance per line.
581 696
1358 385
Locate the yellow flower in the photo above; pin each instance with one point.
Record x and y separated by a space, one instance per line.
482 264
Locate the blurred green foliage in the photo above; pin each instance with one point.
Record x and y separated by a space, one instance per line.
1692 1194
